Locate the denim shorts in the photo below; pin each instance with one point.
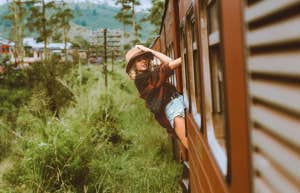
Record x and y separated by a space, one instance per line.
175 108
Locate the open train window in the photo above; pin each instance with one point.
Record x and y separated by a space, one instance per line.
185 71
216 135
193 67
196 65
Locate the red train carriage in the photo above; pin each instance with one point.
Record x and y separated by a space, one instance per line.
240 80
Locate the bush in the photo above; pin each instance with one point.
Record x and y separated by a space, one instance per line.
45 76
58 163
104 143
5 140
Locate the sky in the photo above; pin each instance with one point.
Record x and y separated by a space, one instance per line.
145 4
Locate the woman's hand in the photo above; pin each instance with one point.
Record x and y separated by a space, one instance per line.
143 48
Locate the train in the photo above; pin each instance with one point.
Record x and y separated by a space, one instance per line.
240 79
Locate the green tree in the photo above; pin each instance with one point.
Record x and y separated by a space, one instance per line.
155 14
63 17
135 26
42 20
80 42
16 17
123 15
127 15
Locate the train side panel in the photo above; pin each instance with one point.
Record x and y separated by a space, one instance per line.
272 38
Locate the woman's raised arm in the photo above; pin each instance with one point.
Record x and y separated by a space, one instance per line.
175 63
162 57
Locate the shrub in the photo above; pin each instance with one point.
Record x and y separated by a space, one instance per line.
5 140
58 163
45 75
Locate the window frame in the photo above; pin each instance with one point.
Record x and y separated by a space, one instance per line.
194 110
219 153
184 71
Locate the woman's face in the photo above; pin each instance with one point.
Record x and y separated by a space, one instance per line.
141 63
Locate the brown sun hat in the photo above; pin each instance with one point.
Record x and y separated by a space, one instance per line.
132 54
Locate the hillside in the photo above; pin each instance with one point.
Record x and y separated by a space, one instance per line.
89 15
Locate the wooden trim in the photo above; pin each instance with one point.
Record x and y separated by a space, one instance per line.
235 80
283 126
282 95
265 8
278 152
276 179
176 45
276 33
203 159
278 64
261 186
205 70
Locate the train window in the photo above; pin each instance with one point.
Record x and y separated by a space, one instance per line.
196 66
185 72
217 134
193 68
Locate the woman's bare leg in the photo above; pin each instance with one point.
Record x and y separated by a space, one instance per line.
180 130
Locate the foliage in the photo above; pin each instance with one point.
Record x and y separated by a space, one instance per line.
155 14
123 15
80 42
5 138
13 92
85 18
96 145
42 22
45 75
154 17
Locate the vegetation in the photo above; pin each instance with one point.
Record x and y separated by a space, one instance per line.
61 130
123 16
99 142
87 15
154 16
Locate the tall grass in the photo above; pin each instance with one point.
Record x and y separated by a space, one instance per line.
104 141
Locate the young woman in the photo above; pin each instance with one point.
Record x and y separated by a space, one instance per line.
161 97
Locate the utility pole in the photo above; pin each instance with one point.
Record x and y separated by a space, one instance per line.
109 50
105 56
112 60
44 29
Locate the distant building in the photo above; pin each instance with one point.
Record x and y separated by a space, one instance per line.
6 46
35 50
